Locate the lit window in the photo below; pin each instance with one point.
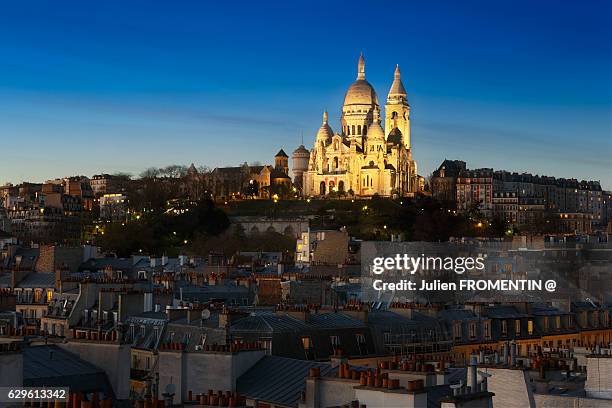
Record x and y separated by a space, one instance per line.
530 327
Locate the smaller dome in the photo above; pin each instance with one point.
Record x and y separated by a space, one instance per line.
375 131
325 132
395 136
300 150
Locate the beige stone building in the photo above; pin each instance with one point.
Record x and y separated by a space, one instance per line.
363 158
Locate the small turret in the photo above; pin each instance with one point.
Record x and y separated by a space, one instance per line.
281 162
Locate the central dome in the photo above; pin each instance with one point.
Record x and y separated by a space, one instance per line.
361 93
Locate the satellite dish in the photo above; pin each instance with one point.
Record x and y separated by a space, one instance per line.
170 388
205 314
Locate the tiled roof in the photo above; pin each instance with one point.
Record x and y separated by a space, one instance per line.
279 380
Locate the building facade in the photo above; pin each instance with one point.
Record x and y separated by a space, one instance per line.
363 159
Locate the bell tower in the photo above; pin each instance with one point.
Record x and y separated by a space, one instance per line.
397 110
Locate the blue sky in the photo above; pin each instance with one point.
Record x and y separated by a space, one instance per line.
89 87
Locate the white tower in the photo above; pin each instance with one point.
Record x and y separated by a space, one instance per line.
397 110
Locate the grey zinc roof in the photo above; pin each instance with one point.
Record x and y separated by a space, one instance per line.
504 312
51 366
94 264
5 280
279 380
38 280
457 314
268 323
333 321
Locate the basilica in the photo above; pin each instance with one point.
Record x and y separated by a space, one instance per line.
362 158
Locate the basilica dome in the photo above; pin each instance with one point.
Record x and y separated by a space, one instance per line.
361 92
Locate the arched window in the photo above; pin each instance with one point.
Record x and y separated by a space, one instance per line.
341 186
348 130
322 188
335 162
358 129
353 129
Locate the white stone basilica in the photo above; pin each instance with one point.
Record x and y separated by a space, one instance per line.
363 158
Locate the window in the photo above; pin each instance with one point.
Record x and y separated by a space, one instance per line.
504 328
530 327
308 350
472 330
457 330
353 129
358 129
361 344
335 343
487 330
267 345
517 327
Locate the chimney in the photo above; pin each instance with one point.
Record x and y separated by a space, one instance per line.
473 374
505 360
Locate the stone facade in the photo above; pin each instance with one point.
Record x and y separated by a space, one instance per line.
363 158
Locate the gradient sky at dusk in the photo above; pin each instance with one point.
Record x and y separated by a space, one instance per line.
90 87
